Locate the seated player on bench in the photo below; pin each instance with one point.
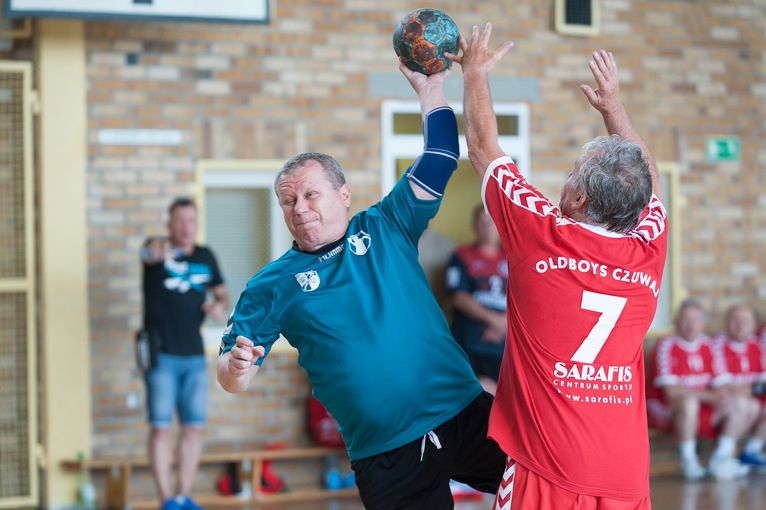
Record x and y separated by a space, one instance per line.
686 395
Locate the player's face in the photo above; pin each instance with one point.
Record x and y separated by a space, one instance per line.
690 323
183 226
740 324
315 213
486 231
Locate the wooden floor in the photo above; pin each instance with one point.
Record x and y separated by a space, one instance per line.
668 493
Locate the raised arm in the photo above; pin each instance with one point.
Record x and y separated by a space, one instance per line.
606 99
478 114
429 174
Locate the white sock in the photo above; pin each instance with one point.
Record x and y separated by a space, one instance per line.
688 449
725 448
754 445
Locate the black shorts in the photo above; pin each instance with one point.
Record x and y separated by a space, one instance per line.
399 480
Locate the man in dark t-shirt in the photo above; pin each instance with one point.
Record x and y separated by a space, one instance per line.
477 278
177 276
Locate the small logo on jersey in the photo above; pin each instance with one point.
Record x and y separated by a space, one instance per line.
359 243
453 277
309 280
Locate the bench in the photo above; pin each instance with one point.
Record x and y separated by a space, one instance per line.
118 472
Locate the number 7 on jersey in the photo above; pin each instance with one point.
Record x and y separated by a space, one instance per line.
610 308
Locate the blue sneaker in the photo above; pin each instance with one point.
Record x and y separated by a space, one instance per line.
186 503
171 504
756 459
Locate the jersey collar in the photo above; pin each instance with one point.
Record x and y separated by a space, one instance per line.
324 249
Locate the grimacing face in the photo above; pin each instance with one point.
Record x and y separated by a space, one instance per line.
183 225
740 323
315 213
690 323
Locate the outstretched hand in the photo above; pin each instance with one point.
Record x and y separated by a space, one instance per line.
476 56
606 98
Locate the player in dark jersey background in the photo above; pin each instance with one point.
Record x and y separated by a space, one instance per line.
352 297
477 278
584 278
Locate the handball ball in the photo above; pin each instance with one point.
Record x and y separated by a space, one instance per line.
422 37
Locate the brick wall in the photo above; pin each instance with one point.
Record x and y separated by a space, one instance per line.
688 68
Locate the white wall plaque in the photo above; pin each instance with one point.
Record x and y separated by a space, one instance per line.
140 137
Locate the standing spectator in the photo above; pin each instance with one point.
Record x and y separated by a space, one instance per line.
177 276
685 395
477 278
744 358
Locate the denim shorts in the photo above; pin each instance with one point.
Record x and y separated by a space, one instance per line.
177 382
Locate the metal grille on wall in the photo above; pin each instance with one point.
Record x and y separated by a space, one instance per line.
18 403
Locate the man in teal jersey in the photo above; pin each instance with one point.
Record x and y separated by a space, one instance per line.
352 298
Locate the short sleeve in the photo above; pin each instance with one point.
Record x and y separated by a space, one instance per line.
721 375
663 364
516 206
252 318
405 212
457 276
216 276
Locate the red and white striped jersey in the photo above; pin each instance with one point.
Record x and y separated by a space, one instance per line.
745 361
571 404
677 362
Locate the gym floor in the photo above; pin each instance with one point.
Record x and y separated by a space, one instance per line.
668 493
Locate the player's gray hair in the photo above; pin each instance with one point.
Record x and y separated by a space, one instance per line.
616 181
329 165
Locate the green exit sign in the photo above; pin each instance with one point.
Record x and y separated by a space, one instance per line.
724 148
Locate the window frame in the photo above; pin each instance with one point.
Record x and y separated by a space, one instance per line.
564 28
241 174
394 146
673 202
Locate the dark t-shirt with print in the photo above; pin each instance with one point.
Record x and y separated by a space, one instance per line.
485 277
173 296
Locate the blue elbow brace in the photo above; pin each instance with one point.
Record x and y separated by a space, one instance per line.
434 167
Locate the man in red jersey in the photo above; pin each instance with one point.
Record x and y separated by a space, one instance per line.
685 394
743 356
584 277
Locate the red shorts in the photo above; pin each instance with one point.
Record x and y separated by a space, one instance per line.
661 417
521 489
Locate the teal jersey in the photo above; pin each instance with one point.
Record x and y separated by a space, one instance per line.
368 330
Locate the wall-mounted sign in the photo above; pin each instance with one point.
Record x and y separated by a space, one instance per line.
140 137
233 11
722 148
